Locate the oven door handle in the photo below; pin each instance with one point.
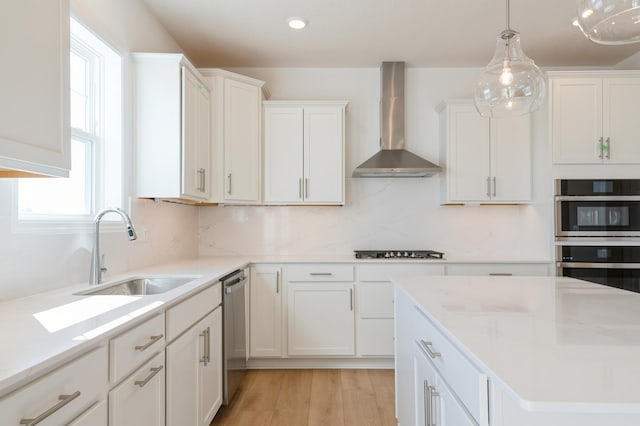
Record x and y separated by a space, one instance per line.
588 265
597 197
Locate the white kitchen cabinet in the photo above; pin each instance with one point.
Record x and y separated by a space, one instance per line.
265 318
194 373
62 395
304 152
173 129
140 399
34 106
237 117
593 117
486 160
321 318
374 304
320 310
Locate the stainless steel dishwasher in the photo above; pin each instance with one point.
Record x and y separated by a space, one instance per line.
234 333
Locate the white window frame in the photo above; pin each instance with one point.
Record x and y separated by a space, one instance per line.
94 139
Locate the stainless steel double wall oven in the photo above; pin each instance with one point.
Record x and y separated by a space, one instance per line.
598 231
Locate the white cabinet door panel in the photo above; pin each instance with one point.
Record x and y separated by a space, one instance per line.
266 312
210 375
321 319
34 106
621 126
511 158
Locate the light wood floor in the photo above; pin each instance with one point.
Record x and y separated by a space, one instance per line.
313 398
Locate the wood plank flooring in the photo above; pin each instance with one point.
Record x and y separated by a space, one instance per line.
312 398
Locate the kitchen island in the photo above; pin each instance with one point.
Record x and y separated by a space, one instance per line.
516 351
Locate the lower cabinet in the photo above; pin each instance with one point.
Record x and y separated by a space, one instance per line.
321 318
435 402
265 318
194 373
507 269
140 399
96 415
60 396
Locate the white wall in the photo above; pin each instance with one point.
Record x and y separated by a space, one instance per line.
32 262
386 213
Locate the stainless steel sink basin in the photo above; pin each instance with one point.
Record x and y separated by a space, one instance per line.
139 286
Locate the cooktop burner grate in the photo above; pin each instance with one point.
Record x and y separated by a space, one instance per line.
398 254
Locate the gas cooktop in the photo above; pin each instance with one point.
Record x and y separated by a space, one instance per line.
398 254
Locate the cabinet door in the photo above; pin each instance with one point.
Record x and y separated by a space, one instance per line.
320 319
266 312
210 373
283 155
242 154
621 127
183 358
576 120
374 318
195 135
140 399
511 159
34 40
323 155
469 160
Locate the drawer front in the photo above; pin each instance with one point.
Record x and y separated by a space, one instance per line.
184 315
468 383
140 399
508 269
380 272
129 350
320 272
67 391
97 415
374 300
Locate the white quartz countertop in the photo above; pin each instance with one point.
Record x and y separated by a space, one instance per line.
551 343
40 332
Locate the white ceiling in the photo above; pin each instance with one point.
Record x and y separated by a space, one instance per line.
363 33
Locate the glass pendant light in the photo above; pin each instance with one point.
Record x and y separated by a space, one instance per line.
610 21
511 84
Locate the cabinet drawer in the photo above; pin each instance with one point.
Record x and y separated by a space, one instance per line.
518 269
129 350
320 272
184 315
83 381
469 384
140 399
385 272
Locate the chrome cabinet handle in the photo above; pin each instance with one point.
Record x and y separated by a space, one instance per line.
204 180
277 282
432 393
427 347
427 403
154 371
494 186
607 149
600 148
306 188
351 299
64 400
300 188
206 356
500 274
325 274
229 184
151 341
488 186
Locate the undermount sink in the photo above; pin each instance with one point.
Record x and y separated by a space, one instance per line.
139 286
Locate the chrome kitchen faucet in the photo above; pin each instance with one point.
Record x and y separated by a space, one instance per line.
95 276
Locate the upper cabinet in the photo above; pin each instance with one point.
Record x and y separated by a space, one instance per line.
593 117
34 106
486 160
173 129
304 152
236 107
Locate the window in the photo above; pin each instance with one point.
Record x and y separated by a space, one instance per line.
95 180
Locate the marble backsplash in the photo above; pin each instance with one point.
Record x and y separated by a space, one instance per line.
380 214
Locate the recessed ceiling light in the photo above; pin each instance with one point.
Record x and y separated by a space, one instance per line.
297 23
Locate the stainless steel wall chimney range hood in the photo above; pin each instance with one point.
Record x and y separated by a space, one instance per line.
393 160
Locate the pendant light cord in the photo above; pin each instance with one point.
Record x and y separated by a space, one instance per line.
508 26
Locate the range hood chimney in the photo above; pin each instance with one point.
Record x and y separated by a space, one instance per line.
393 160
